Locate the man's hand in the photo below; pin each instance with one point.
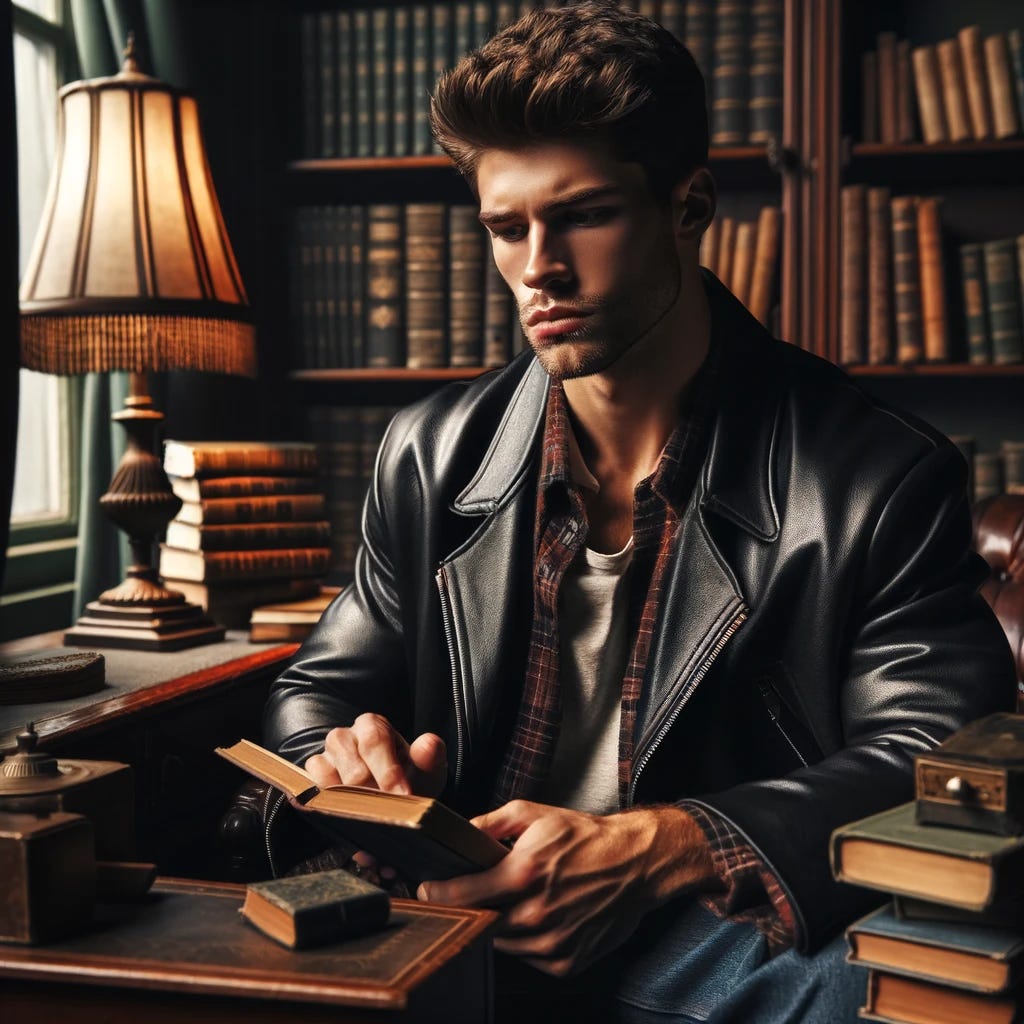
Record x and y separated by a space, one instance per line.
575 886
372 753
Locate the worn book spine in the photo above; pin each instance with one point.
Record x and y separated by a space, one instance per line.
888 107
730 74
906 280
1001 88
972 59
933 289
972 275
766 64
246 536
726 249
231 603
441 47
1002 290
988 475
483 22
343 321
709 246
346 84
424 284
422 83
497 316
363 55
267 508
211 566
743 260
192 458
954 91
331 353
766 254
327 69
462 28
1012 453
197 489
309 92
893 997
905 127
673 18
1015 42
401 81
357 285
869 96
465 283
880 347
928 82
852 275
382 36
335 429
385 343
700 36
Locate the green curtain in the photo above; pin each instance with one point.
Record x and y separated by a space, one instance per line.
100 29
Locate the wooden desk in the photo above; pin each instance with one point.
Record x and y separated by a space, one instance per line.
188 956
164 716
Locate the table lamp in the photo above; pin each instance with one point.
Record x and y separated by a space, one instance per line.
132 270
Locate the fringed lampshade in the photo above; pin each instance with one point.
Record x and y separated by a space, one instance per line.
132 270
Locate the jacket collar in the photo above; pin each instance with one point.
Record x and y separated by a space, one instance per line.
737 483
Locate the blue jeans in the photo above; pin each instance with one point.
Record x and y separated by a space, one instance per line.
686 965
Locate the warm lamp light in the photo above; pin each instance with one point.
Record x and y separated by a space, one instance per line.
132 270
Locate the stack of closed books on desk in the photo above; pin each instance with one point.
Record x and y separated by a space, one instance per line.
949 947
288 621
251 528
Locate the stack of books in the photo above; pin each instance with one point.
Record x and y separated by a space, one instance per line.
251 528
949 947
289 621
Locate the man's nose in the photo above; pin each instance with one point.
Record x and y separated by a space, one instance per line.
547 262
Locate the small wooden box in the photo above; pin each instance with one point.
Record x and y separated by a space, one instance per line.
975 779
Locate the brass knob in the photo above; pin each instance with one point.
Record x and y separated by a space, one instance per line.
29 763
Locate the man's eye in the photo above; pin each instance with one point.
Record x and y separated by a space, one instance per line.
512 233
588 218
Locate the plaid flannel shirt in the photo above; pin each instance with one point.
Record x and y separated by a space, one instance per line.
750 891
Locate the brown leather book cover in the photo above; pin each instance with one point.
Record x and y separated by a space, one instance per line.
852 280
905 128
1000 86
766 254
972 58
888 124
906 280
743 260
425 298
954 90
709 246
933 289
726 249
880 348
928 83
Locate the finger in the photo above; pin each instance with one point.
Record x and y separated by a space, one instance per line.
322 771
384 752
511 820
429 758
342 751
507 882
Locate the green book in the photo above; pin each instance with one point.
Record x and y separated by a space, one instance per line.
972 274
357 286
441 48
422 83
328 68
1002 289
890 851
346 84
363 58
312 910
401 82
483 22
382 50
309 92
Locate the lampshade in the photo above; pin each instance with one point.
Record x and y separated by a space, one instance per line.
132 268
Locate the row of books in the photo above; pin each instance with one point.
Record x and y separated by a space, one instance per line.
993 472
949 945
346 440
893 302
366 73
390 285
962 88
252 527
744 256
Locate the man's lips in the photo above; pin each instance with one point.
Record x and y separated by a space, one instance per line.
548 323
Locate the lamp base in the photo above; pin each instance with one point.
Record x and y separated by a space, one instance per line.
143 627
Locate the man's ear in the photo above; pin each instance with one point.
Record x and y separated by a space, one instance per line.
693 205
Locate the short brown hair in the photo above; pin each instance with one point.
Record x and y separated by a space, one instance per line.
585 71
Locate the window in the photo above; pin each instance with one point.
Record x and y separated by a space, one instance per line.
40 565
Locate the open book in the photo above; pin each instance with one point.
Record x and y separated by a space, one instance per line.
416 835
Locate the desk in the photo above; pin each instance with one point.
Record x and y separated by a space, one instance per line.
163 713
187 956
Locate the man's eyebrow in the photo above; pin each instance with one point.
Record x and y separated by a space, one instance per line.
598 192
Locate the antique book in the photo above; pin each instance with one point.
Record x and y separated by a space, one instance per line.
933 289
327 70
971 956
974 779
1015 42
766 255
673 18
972 276
928 86
869 96
906 280
422 81
892 852
418 836
441 58
363 82
1002 292
346 83
988 475
210 488
905 127
305 911
888 105
699 20
425 296
1001 88
381 54
1013 473
289 620
385 327
483 25
266 508
465 287
231 603
273 563
730 73
743 260
972 57
879 285
1007 915
726 250
853 266
401 83
357 285
234 458
894 998
766 60
309 89
247 536
954 91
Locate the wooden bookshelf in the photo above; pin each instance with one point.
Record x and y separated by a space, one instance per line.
945 370
365 375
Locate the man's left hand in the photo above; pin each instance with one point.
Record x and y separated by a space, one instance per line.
574 886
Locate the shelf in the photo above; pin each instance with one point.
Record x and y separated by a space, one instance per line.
389 375
917 165
938 370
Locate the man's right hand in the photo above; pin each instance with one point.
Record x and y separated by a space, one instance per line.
371 752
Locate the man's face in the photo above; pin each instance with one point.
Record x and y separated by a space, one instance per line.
589 255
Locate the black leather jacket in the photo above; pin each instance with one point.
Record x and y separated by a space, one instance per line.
819 626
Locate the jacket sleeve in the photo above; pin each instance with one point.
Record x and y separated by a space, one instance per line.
922 656
354 660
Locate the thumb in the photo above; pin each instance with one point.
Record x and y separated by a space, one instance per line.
429 757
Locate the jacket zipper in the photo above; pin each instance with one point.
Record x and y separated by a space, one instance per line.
723 639
766 693
453 655
269 814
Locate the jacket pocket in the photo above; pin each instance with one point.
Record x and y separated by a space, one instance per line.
794 733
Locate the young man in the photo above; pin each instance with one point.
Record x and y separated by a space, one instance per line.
665 601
